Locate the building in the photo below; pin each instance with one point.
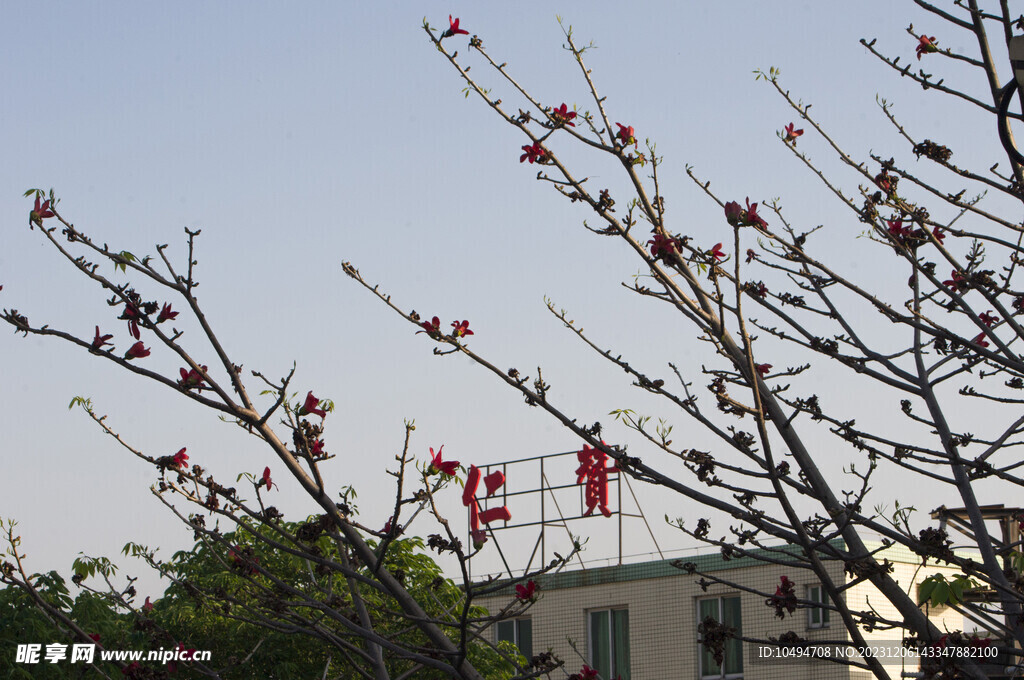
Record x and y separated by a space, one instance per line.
639 621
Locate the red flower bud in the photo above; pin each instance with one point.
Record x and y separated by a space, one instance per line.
136 351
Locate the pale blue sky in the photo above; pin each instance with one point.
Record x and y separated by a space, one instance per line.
299 136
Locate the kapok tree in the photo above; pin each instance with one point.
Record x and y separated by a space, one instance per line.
354 596
778 314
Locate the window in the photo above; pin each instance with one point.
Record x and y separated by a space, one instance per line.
520 633
609 643
725 610
817 617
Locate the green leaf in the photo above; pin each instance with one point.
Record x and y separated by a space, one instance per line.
925 592
941 594
84 402
126 257
82 567
957 589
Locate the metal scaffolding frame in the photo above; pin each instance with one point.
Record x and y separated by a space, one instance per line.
547 490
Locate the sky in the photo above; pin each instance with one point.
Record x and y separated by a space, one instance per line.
300 136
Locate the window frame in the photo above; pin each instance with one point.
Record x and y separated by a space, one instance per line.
820 607
613 661
722 673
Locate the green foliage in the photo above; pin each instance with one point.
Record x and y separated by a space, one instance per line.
21 622
122 259
212 624
1018 560
937 591
772 75
189 613
84 402
86 567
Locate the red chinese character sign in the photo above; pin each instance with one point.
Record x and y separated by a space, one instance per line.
492 482
594 471
552 492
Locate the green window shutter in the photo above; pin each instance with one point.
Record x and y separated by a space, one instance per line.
733 647
507 631
620 640
525 630
600 649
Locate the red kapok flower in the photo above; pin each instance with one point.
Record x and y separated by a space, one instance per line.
976 641
751 255
792 134
453 28
310 406
563 116
461 329
733 213
243 559
988 318
586 673
738 217
180 458
445 467
132 314
433 327
886 182
526 592
626 135
752 218
147 605
99 341
763 368
166 314
136 351
95 637
717 252
980 340
534 153
318 449
39 213
266 479
784 600
191 378
479 537
925 45
759 289
958 282
663 246
897 230
937 233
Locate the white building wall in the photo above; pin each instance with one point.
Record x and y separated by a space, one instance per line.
662 603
